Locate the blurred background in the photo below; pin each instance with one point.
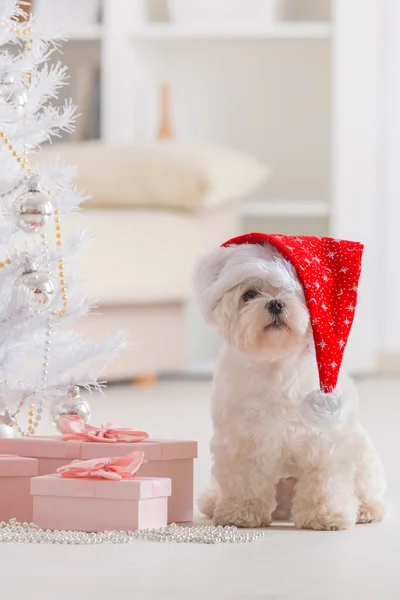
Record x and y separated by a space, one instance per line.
203 119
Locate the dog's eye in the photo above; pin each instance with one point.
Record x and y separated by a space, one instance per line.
249 295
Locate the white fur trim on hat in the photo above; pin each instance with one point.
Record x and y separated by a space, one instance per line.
227 266
328 409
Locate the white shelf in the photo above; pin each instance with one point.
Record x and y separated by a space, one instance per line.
166 31
92 32
284 208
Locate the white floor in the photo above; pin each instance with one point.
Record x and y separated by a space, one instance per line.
303 565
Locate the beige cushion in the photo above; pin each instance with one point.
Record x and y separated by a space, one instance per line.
166 175
122 177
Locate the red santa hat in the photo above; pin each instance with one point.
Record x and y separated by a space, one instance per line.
326 269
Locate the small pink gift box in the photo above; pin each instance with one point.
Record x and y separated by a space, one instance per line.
99 505
15 480
166 458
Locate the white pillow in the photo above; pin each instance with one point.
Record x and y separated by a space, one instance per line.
162 175
231 174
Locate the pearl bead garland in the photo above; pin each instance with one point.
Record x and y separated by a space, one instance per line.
29 533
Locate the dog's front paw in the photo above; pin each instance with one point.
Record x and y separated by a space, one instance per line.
245 514
325 521
372 512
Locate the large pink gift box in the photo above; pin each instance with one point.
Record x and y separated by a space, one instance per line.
15 481
166 458
99 505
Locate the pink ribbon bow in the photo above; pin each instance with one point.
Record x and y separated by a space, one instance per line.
123 467
75 429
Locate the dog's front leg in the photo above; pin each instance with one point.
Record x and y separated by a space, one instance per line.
246 495
325 499
244 508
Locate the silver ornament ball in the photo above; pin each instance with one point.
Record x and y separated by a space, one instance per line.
41 285
72 406
6 431
12 98
32 210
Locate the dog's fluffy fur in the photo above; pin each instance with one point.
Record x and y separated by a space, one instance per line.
270 451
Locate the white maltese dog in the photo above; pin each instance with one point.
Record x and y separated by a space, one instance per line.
279 446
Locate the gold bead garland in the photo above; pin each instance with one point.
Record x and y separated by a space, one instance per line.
22 31
61 273
20 158
31 414
7 261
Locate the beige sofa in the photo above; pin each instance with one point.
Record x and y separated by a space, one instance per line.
140 259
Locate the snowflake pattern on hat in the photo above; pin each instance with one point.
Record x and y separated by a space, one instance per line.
329 271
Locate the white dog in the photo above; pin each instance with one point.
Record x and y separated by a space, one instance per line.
266 428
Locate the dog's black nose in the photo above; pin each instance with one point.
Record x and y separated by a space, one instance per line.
275 307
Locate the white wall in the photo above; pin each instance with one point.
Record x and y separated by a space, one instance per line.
390 222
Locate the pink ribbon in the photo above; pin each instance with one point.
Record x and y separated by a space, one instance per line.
74 428
123 467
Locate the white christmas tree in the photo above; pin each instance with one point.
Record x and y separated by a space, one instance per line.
42 360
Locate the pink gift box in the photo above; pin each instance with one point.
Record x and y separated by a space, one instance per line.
166 458
99 505
15 480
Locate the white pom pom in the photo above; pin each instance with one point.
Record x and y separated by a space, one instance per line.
324 409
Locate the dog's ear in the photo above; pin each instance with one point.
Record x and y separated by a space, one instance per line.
206 273
223 268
